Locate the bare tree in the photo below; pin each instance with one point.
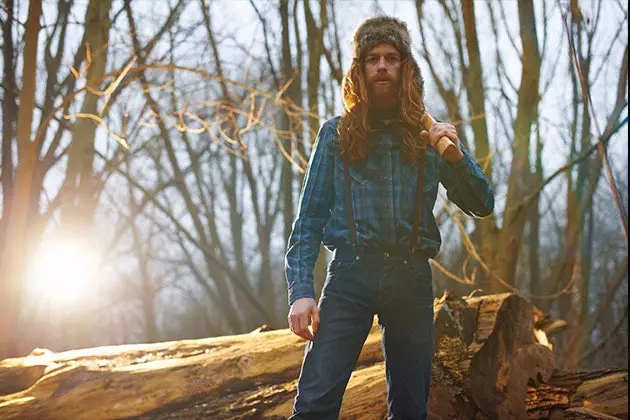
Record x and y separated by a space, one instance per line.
13 258
28 209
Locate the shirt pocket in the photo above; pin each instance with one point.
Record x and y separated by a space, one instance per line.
431 175
363 180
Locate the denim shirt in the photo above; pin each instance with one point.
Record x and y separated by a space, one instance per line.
383 196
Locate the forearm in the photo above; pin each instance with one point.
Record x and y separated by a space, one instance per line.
313 213
470 188
301 256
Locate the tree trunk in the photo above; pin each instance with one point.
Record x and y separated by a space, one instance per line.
487 365
9 118
13 259
584 168
314 59
582 331
485 229
146 289
597 394
315 51
509 245
286 183
224 290
535 284
80 204
79 199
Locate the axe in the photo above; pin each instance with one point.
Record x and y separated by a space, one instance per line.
444 143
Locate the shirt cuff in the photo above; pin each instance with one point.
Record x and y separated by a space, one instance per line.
301 290
462 169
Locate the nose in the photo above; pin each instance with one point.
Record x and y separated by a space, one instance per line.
382 63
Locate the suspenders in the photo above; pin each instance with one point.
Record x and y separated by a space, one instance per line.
417 211
349 209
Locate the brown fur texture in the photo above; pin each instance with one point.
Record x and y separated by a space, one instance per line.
354 130
381 29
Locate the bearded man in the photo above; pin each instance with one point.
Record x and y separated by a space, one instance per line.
368 196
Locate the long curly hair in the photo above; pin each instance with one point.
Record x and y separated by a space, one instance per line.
355 134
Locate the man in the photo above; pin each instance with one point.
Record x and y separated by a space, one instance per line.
360 198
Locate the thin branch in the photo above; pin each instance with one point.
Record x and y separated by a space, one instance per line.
600 145
606 339
525 203
263 21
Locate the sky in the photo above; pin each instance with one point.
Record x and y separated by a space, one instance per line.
237 19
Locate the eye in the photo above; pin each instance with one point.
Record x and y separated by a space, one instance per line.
371 60
394 59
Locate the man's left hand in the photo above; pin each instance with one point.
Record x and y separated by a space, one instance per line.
439 130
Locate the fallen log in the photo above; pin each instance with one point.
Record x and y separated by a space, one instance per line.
490 363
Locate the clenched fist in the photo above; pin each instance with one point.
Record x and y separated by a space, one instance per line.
439 130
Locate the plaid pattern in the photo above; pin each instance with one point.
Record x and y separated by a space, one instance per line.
383 196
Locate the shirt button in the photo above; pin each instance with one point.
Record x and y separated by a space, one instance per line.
405 262
386 255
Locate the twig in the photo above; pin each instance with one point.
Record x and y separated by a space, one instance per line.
605 340
529 199
600 145
470 247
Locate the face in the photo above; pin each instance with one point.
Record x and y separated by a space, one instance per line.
382 70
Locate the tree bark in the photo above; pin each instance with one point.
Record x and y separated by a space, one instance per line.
582 331
535 284
13 259
315 52
487 364
80 204
146 288
79 194
486 229
9 117
509 245
286 183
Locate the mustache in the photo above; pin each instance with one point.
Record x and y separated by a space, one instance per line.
382 77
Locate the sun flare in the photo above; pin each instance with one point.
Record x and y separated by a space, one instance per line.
62 271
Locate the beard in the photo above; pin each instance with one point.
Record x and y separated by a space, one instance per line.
383 92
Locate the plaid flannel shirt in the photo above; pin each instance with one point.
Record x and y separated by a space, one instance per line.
383 197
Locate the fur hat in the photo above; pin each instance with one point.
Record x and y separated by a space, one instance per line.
384 29
380 29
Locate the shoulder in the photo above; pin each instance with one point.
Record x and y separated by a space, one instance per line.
333 122
330 126
327 135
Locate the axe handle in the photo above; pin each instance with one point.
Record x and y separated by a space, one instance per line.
444 143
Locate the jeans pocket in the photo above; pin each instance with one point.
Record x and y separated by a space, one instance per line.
340 265
420 270
421 281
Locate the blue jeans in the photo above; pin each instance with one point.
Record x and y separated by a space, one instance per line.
396 287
